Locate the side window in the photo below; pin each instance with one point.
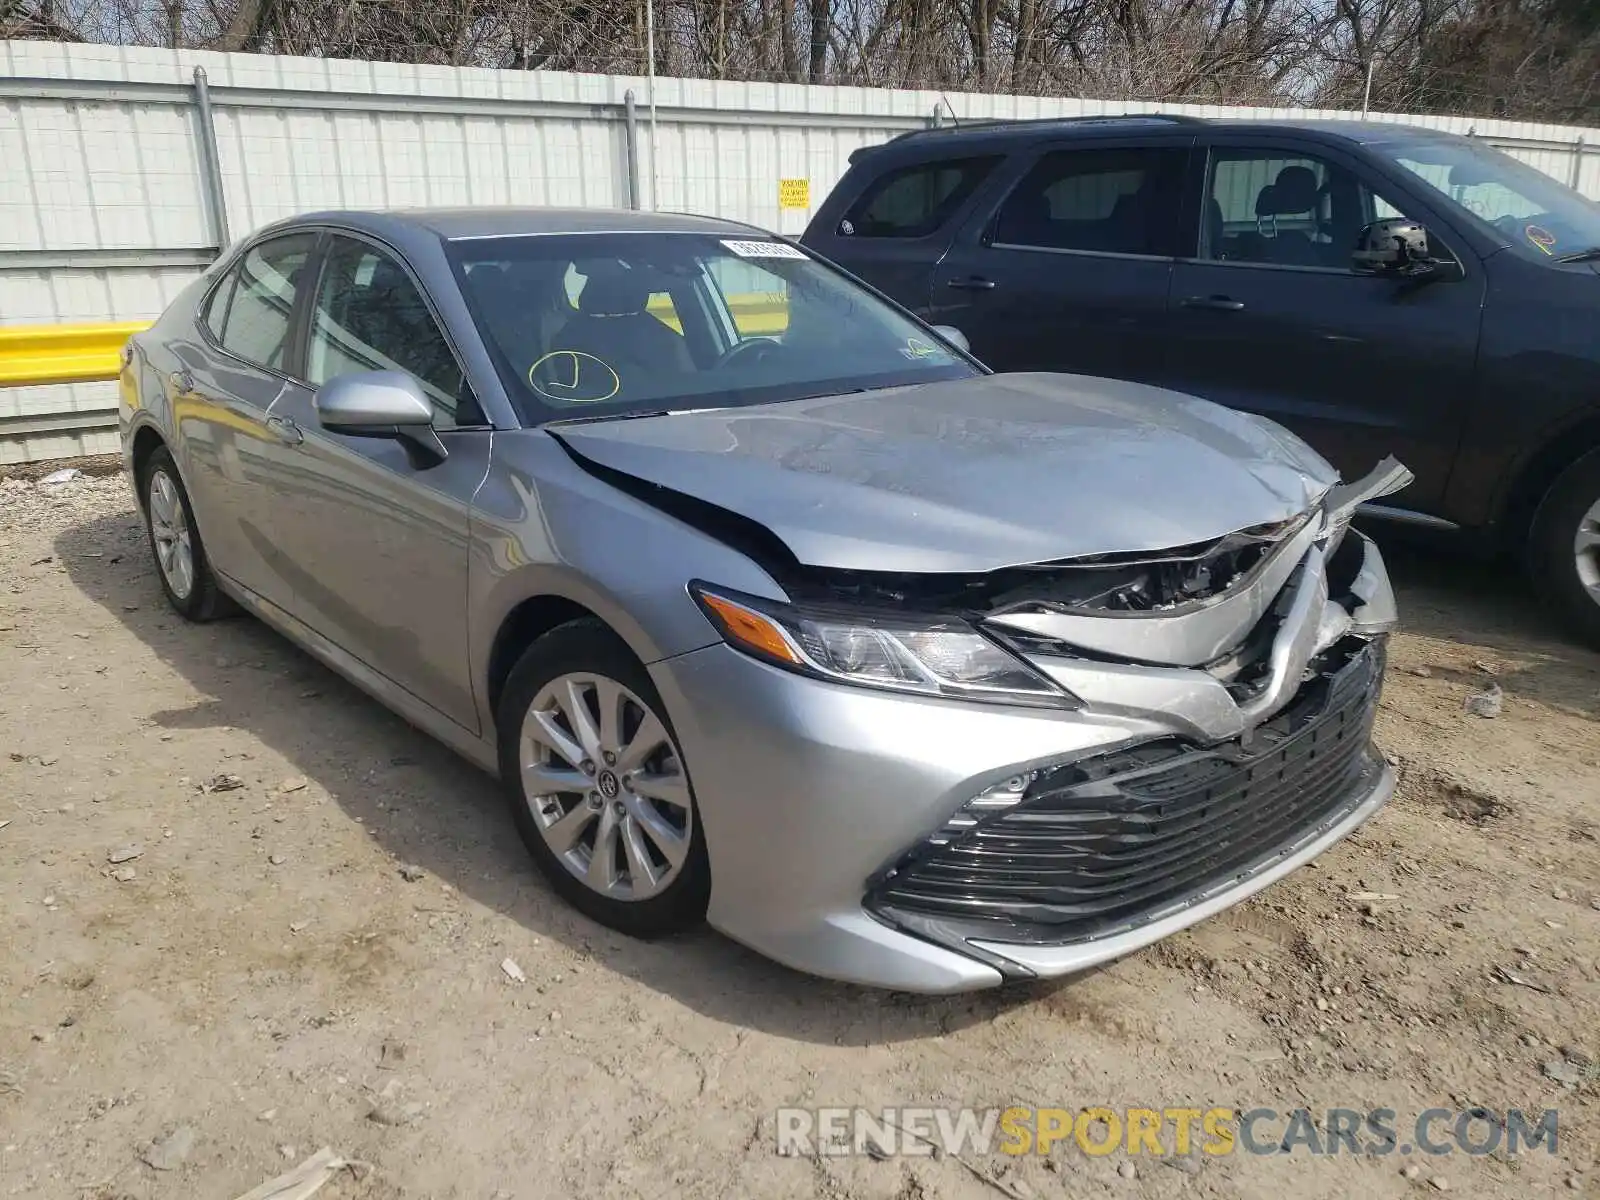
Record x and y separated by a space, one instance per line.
1114 201
251 312
370 317
1285 209
217 306
914 201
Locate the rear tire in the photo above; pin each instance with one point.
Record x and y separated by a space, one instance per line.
602 802
182 565
1565 548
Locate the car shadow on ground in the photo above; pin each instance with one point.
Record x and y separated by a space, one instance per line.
1489 609
427 807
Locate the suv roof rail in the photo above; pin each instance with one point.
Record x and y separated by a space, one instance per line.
1000 123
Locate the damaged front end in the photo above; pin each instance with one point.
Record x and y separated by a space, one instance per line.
1268 709
1155 734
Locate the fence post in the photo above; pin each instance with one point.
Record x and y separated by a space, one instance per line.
210 161
632 142
1577 164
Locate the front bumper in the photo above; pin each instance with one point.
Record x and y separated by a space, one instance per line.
812 794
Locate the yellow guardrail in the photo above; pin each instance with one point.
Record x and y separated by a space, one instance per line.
37 354
32 354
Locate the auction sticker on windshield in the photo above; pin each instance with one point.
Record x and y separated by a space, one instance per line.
764 250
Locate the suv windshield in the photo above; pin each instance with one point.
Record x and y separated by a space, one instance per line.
1541 216
610 324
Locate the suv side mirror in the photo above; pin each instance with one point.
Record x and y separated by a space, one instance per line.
954 336
379 404
1398 247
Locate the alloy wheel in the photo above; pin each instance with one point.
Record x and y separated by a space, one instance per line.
606 786
169 529
1586 551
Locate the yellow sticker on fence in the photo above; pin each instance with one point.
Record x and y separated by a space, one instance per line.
794 193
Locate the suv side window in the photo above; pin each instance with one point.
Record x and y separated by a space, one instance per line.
1110 201
370 316
1282 208
916 200
251 312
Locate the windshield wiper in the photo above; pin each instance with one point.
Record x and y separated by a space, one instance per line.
590 418
626 416
1577 256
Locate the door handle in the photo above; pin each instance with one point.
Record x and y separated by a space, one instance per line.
285 430
1219 303
182 382
973 283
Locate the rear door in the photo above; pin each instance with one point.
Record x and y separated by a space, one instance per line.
221 402
1067 267
896 229
1270 317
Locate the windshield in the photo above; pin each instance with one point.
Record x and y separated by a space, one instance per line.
610 324
1542 217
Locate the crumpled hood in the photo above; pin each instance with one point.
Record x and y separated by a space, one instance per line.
973 475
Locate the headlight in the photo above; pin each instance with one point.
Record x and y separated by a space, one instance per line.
933 657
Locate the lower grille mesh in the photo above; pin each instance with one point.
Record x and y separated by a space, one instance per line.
1105 844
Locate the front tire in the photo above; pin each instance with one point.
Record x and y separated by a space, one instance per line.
597 784
180 556
1566 546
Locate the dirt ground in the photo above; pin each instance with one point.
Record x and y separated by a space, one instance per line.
262 978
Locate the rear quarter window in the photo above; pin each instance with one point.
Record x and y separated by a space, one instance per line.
915 200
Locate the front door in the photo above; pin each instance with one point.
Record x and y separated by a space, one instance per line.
378 532
1069 270
1271 318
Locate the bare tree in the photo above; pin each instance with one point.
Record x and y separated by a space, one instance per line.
1524 58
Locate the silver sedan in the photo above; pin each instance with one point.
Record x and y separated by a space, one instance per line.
768 604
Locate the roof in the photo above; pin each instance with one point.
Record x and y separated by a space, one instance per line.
455 223
979 132
1351 129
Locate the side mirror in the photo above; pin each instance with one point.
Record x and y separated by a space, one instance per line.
373 402
954 336
1399 247
380 404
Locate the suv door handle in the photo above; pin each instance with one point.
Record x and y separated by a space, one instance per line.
285 430
182 382
972 283
1220 303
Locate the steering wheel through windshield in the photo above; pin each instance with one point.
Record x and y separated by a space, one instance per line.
749 352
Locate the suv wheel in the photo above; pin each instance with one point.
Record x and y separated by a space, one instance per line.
181 562
598 786
1566 545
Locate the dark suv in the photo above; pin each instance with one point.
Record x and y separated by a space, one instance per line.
1379 289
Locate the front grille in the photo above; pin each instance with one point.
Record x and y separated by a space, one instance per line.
1108 843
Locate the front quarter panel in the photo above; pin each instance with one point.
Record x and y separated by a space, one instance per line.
542 526
1538 383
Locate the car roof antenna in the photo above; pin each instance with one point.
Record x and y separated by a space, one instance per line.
951 109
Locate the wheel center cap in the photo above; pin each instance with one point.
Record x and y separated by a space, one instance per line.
608 785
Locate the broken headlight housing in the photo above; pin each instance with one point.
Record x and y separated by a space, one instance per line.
933 656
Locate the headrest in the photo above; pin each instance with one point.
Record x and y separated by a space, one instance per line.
614 291
1296 190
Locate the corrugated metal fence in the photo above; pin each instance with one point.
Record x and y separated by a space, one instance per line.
122 171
